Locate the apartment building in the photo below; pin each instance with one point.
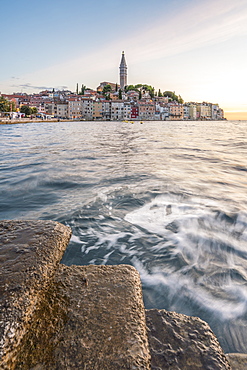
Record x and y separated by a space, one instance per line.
127 110
146 110
106 110
87 108
176 111
117 110
204 111
75 108
97 110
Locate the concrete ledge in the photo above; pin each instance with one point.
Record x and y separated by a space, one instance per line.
29 255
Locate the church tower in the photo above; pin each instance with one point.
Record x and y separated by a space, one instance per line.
123 72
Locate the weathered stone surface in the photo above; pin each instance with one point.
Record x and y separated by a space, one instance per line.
238 361
179 342
99 322
29 255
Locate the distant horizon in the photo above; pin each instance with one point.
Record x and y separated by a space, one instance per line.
236 116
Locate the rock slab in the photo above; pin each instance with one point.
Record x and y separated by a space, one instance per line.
238 361
98 323
180 342
30 252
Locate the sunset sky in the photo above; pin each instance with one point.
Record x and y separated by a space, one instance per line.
196 48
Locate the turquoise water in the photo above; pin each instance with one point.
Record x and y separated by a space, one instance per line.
166 197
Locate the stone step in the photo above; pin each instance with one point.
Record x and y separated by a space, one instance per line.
30 252
102 320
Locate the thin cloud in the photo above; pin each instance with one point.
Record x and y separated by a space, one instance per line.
29 86
196 26
193 27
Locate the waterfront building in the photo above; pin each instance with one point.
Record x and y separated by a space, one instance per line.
106 109
134 113
87 108
204 111
146 110
97 110
162 111
176 111
217 112
61 109
192 111
127 110
186 112
75 108
117 110
123 72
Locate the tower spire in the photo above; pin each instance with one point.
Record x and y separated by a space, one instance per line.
123 72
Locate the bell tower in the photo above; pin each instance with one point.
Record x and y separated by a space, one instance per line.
123 72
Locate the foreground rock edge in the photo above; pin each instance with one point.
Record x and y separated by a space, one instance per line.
29 256
30 252
178 341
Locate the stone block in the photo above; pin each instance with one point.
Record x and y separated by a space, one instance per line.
238 361
30 252
99 322
180 342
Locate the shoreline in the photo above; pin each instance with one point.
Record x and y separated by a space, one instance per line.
27 120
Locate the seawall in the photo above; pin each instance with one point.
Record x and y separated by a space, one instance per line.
88 317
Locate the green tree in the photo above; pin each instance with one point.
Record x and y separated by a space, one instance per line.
34 110
172 96
83 88
180 100
77 90
120 96
160 94
151 91
106 89
140 94
5 105
116 88
131 88
26 109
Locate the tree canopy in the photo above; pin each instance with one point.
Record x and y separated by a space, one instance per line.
173 97
26 110
106 89
140 87
6 105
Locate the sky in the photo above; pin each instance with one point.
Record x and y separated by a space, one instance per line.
197 48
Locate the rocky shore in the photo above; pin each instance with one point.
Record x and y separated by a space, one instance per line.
88 317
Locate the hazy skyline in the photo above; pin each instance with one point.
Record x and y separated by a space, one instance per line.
197 49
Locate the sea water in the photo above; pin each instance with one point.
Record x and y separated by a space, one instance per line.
169 198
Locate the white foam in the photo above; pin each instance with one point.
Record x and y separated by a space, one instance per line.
205 242
182 285
76 239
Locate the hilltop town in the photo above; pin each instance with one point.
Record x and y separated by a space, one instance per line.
110 101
